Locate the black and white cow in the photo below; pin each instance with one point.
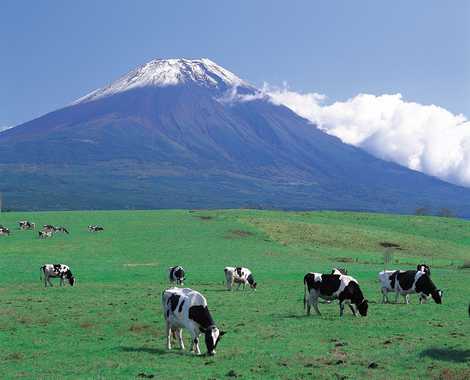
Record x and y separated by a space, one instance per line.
61 271
424 268
26 225
95 228
176 274
45 234
334 286
4 231
240 276
187 308
408 282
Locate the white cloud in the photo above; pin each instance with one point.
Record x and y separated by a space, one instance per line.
426 138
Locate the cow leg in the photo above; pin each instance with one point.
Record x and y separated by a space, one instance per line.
407 299
180 338
49 281
168 336
238 287
353 309
384 295
195 345
315 304
61 281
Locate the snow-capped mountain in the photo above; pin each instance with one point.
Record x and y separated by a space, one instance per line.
170 72
183 133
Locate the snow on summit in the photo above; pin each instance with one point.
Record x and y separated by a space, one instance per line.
169 72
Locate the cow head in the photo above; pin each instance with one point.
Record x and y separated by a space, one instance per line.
251 281
437 296
362 307
212 337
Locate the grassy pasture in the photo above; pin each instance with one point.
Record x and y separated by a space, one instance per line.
110 326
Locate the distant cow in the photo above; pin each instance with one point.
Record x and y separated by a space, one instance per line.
48 228
95 228
239 275
339 271
424 268
45 234
333 286
26 225
408 282
4 231
54 229
187 308
176 274
61 271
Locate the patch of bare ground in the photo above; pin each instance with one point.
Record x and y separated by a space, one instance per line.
235 234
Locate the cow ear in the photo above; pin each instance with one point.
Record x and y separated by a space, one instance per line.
222 333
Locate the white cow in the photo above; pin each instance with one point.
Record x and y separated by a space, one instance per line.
239 275
61 271
187 308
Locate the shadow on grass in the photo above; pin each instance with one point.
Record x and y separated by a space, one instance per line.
148 350
447 354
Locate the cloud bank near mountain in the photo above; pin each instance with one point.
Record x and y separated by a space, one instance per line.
426 138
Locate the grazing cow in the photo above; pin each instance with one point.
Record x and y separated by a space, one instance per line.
45 234
187 308
48 227
334 286
176 274
339 271
424 268
4 231
239 275
62 271
61 229
95 228
407 282
26 225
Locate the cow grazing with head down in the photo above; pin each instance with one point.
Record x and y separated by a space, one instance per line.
45 234
4 231
408 282
61 271
176 275
240 276
187 308
95 228
334 286
26 225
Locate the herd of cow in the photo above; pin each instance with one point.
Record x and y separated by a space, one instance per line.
187 308
47 231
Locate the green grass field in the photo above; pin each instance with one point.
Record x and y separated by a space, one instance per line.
110 326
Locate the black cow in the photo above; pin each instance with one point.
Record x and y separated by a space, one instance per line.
334 286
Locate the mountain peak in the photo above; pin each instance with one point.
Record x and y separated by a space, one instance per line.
169 72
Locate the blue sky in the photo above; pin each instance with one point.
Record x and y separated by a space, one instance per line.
52 52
